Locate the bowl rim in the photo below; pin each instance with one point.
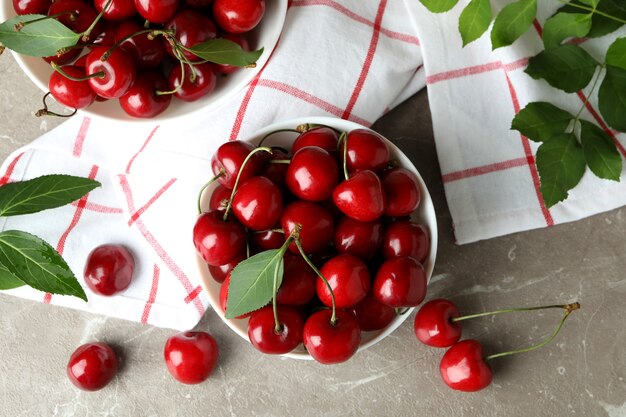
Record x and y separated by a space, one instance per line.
426 205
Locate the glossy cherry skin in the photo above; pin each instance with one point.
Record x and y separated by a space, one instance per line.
400 282
117 10
191 356
157 11
361 196
433 324
312 174
109 269
146 52
238 16
92 366
298 286
372 314
229 158
277 172
239 40
22 7
463 367
119 72
73 94
317 225
361 239
219 198
219 273
106 34
202 85
322 137
218 241
366 150
330 344
82 15
405 238
262 332
349 279
258 203
191 28
267 240
402 192
224 297
142 100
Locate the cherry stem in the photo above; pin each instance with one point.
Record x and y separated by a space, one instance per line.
22 25
278 328
402 311
568 310
152 33
243 165
510 310
344 138
279 161
274 132
204 187
2 48
269 230
333 317
57 68
182 75
305 127
85 34
46 112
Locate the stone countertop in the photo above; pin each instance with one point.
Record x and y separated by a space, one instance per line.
582 373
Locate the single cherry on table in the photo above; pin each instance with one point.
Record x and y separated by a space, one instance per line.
92 366
190 357
109 269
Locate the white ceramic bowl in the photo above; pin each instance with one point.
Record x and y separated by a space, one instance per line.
265 35
425 214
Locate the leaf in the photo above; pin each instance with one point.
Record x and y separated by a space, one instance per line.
612 98
223 51
592 3
8 281
512 21
564 25
252 282
42 38
475 20
566 67
540 121
561 165
600 25
42 193
616 54
37 264
600 152
439 6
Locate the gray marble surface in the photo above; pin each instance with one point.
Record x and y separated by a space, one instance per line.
583 373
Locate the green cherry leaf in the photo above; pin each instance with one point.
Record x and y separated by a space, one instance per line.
8 281
564 25
223 51
600 152
566 67
37 264
252 282
42 38
612 98
540 121
561 165
600 25
439 6
592 3
512 21
475 20
42 193
616 54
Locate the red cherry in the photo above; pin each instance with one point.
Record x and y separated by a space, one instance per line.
224 297
366 150
463 367
312 174
322 137
117 9
316 222
202 85
402 192
434 326
109 269
219 273
298 286
190 28
229 158
92 366
258 203
218 241
400 282
349 279
142 100
239 40
262 332
327 343
190 356
119 72
405 238
276 172
219 198
198 4
268 239
146 52
74 94
238 16
362 239
360 197
106 34
372 314
81 17
22 7
157 11
65 58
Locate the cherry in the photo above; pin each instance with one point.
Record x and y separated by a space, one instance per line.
361 196
349 279
238 16
402 193
142 100
190 28
228 159
298 286
157 11
372 314
70 93
362 239
224 297
219 198
464 368
434 326
80 16
276 172
219 273
332 343
118 69
117 9
239 40
106 34
109 269
322 137
366 150
316 222
216 240
268 239
198 4
92 366
400 282
22 7
190 356
264 336
405 238
202 85
312 174
258 203
64 58
146 52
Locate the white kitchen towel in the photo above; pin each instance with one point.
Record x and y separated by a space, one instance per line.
491 183
351 58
